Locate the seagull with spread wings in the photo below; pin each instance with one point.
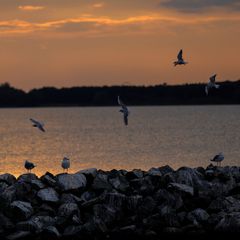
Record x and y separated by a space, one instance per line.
38 124
180 60
211 84
124 110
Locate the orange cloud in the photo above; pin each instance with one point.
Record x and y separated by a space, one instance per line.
97 24
31 8
98 5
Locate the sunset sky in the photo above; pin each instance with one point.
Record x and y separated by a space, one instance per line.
89 42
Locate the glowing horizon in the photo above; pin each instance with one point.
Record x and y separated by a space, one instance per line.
85 43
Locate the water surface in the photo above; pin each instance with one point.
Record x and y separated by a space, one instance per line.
96 137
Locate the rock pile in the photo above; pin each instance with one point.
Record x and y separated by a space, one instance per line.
118 204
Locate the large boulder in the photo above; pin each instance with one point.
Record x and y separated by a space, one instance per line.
67 210
21 210
68 182
100 182
49 179
48 195
185 175
89 172
7 178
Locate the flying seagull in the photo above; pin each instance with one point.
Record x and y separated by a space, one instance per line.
29 165
124 110
180 60
65 163
38 124
211 84
218 158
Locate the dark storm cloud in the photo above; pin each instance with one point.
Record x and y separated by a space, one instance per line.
200 5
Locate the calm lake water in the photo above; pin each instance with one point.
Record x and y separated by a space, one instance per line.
96 137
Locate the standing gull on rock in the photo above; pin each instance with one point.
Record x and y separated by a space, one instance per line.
124 110
180 60
65 164
211 84
38 124
29 165
218 159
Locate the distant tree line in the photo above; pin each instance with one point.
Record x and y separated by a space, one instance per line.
187 94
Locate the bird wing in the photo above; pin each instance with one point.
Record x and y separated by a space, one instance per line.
34 121
41 128
213 78
180 55
120 102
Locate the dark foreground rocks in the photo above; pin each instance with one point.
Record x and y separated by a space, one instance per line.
121 204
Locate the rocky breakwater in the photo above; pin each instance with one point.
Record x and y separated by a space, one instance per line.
95 204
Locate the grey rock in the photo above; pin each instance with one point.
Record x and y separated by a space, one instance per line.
120 183
172 199
90 172
148 205
229 223
67 210
101 183
27 177
48 195
21 210
136 173
165 169
107 214
69 198
7 178
199 215
68 182
19 235
133 202
115 200
37 184
154 172
182 188
227 204
35 224
49 179
50 232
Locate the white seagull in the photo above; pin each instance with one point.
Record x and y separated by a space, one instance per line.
180 60
29 165
211 84
218 158
124 110
38 124
66 163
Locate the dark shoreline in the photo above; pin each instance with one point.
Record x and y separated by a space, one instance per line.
158 95
94 204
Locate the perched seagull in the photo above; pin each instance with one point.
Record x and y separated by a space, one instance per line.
218 158
211 84
29 165
124 110
180 60
65 163
38 124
